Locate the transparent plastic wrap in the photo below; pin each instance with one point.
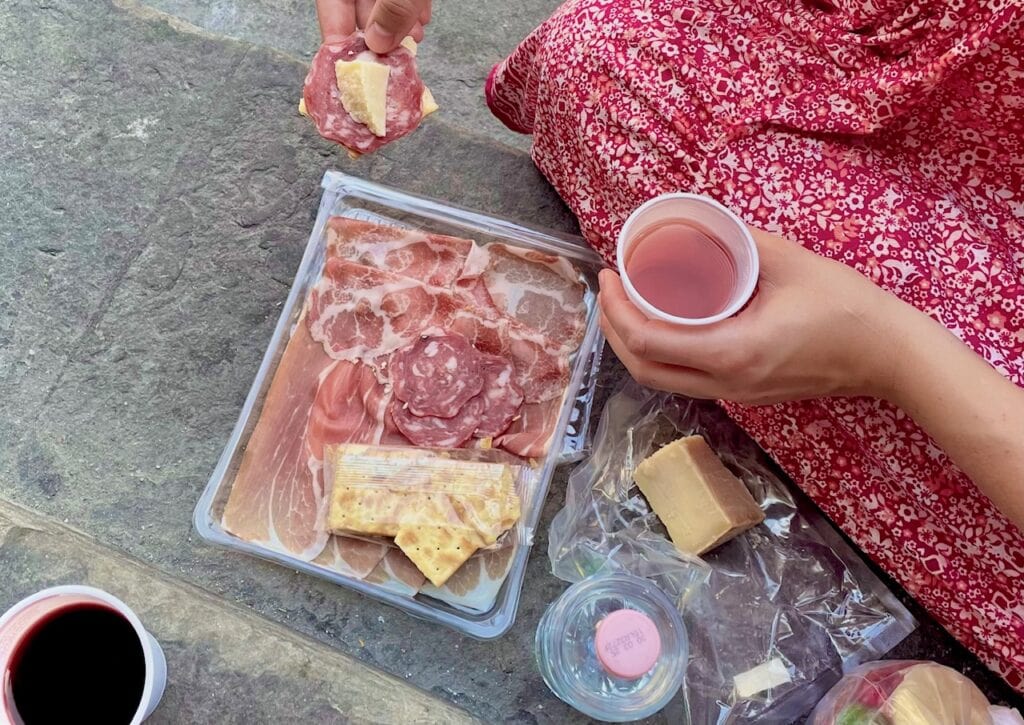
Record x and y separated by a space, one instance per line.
386 277
908 693
774 616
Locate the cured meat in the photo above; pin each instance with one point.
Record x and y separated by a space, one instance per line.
541 291
433 259
276 501
323 103
361 313
502 397
530 434
539 373
475 586
352 557
349 407
397 573
432 432
436 375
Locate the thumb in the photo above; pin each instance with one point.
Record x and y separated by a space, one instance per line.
390 21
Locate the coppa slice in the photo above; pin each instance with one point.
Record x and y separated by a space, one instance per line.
433 259
323 100
361 313
436 375
541 291
502 396
433 432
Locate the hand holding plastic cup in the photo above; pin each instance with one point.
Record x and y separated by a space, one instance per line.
76 653
688 260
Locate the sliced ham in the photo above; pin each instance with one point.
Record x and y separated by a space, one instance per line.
396 573
352 557
276 501
475 586
433 259
530 434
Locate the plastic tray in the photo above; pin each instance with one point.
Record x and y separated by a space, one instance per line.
352 197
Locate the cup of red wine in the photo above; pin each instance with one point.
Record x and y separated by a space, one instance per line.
688 260
77 654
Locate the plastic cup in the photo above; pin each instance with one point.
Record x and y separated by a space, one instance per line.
719 222
20 621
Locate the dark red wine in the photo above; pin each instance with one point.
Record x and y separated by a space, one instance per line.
81 664
682 270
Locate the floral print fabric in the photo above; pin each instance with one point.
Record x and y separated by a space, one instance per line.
885 134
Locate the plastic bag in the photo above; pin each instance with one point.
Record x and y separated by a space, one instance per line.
788 600
908 693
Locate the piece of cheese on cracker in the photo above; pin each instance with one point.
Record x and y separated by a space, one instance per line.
363 90
701 503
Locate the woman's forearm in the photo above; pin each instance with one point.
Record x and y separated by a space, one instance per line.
974 413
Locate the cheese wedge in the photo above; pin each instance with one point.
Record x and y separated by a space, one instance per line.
429 105
409 44
302 108
363 89
700 502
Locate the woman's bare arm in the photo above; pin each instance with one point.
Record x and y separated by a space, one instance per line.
974 413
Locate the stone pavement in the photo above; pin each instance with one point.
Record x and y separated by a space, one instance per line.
157 193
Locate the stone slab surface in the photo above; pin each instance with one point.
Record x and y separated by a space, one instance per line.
158 191
227 664
463 42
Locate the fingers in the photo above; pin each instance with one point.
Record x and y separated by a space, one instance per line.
364 9
337 19
425 13
659 376
700 348
390 21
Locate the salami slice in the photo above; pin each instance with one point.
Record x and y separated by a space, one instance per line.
437 375
501 396
434 432
323 104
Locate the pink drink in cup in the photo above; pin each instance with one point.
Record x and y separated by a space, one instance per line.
77 654
688 260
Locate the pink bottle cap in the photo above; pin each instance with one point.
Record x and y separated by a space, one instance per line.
628 644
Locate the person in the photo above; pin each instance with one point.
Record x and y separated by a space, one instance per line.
880 146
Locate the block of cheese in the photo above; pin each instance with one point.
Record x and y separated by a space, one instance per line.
701 503
363 89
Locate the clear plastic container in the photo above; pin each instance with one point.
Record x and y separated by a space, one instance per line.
352 197
614 647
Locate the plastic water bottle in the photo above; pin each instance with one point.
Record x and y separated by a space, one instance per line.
614 647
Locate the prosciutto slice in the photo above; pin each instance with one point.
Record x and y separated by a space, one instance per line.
276 501
530 434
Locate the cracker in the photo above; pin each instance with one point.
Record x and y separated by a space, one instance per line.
438 551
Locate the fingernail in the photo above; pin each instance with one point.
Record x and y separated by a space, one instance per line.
379 40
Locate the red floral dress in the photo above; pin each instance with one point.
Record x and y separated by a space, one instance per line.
887 135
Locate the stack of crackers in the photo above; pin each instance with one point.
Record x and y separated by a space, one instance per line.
438 509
